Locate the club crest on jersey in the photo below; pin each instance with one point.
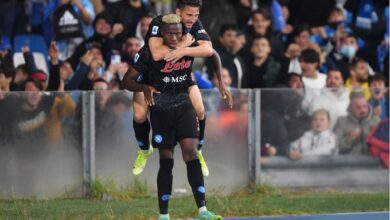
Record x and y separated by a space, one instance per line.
169 67
154 30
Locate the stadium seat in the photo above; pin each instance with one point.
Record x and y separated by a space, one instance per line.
35 42
39 58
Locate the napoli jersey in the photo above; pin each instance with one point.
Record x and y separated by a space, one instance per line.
197 30
170 79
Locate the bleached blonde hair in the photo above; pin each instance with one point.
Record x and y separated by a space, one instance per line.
171 19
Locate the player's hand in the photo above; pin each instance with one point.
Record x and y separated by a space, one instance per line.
148 94
226 94
186 40
175 55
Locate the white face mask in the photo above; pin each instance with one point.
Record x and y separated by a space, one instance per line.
348 51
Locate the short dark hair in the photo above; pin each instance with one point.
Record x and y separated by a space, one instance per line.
227 27
100 80
36 83
377 77
334 70
192 3
264 12
310 56
301 28
355 62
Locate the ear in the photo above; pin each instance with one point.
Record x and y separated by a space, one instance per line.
178 12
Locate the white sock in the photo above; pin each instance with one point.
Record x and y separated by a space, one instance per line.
164 215
202 209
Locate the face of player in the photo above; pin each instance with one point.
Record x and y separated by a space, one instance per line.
172 34
189 15
319 122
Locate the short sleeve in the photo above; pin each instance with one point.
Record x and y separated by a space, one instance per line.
154 28
199 32
141 60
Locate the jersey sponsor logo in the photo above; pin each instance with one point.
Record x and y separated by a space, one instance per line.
154 30
169 67
68 19
175 79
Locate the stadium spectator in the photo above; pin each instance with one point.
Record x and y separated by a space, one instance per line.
352 130
128 13
313 13
310 62
334 98
230 60
130 49
69 22
262 69
320 140
379 96
105 33
21 75
262 27
358 77
162 6
143 26
7 17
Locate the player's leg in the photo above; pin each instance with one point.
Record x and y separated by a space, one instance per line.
141 127
164 182
187 132
195 177
197 103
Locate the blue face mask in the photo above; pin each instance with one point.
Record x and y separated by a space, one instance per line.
348 51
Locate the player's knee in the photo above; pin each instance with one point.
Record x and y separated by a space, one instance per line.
190 154
200 112
140 116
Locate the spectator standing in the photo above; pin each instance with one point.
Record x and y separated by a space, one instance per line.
263 70
334 98
310 62
230 59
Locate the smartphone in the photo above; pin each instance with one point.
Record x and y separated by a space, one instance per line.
115 58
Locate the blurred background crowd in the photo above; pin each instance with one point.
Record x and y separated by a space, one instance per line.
334 54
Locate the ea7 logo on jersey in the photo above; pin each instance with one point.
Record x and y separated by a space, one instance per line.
154 30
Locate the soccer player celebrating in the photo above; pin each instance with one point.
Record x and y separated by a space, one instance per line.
188 10
172 115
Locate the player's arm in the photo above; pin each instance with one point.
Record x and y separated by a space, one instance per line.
221 86
204 49
157 48
131 83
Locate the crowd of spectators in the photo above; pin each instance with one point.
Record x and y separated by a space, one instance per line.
332 55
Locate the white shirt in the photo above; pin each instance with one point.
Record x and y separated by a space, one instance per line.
324 143
317 83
